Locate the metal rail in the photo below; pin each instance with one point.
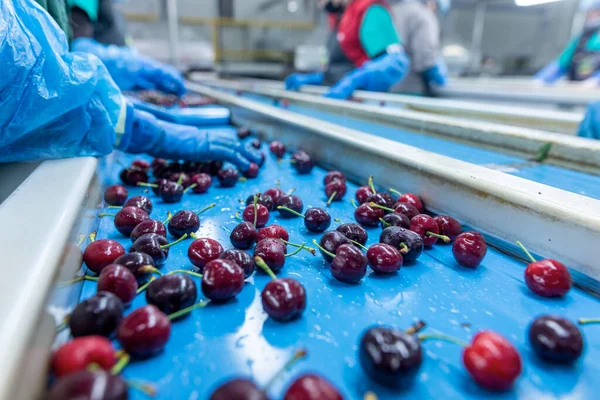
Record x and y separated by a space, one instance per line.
555 223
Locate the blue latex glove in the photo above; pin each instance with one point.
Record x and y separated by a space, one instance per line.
295 81
377 75
144 133
590 126
133 71
435 75
193 116
550 73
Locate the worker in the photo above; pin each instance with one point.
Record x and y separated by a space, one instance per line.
58 104
99 20
419 28
365 51
580 61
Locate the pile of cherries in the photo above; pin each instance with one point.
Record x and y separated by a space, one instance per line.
170 100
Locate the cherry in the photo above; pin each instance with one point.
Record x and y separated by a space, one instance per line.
98 315
311 387
158 163
390 357
362 194
448 226
407 209
547 278
171 192
183 222
155 185
395 219
555 339
272 231
148 226
80 352
277 148
238 389
119 281
349 264
140 264
289 202
144 332
116 195
367 215
243 132
334 176
202 181
353 232
384 258
88 385
243 235
141 164
258 218
408 242
101 253
141 202
132 176
330 242
272 251
171 293
381 199
241 258
155 246
181 178
469 249
251 172
214 167
302 162
263 199
315 219
335 191
256 143
222 280
412 200
127 218
276 194
228 177
427 228
204 250
492 361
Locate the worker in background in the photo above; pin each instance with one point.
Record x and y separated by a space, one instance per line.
99 20
365 52
57 104
419 28
580 61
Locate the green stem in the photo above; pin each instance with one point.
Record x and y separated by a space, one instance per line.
79 279
186 310
395 192
353 203
445 238
242 179
371 185
382 207
105 215
166 246
122 363
180 179
330 199
359 244
208 207
297 245
526 251
585 321
263 265
149 269
290 210
144 387
298 355
237 216
255 206
193 235
339 221
92 236
64 323
187 189
144 286
416 327
445 338
298 250
115 207
292 190
81 240
330 254
385 223
169 216
185 271
403 248
146 184
543 152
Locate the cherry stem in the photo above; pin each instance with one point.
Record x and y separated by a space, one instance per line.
81 240
403 248
298 245
193 235
292 190
395 191
184 271
445 338
526 251
382 207
416 327
92 236
290 210
193 185
255 205
180 179
64 323
79 279
122 363
338 221
119 207
298 250
186 310
144 387
445 238
208 207
330 199
152 185
277 183
330 254
105 215
263 265
298 355
149 269
585 321
166 246
359 244
353 203
242 179
370 183
384 222
169 216
370 396
144 286
237 216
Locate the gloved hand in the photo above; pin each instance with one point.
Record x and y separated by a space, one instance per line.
377 75
144 133
133 71
435 75
295 81
194 116
550 73
590 126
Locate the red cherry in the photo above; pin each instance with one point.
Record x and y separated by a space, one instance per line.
272 231
180 177
363 193
275 194
119 281
335 190
148 226
204 250
334 176
412 200
262 215
144 332
277 148
272 251
100 253
349 264
80 352
252 172
128 218
141 202
116 195
469 249
407 209
548 278
243 235
243 132
312 387
222 280
492 361
367 215
284 299
202 181
423 225
448 226
141 164
384 258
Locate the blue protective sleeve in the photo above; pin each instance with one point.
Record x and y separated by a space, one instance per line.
53 104
295 81
550 73
434 75
131 70
590 126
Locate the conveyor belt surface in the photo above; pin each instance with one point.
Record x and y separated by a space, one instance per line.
237 338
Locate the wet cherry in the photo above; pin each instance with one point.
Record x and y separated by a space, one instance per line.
284 299
142 165
302 162
156 246
277 148
407 209
335 190
426 226
238 389
311 387
228 177
367 215
255 143
241 258
79 353
330 241
144 332
183 222
141 202
204 250
317 220
202 181
292 202
140 264
469 249
353 232
362 194
349 264
411 199
251 172
171 192
243 235
148 226
547 278
275 194
409 243
555 339
88 385
101 253
171 293
381 199
156 184
98 315
272 251
127 218
384 258
272 231
448 226
115 195
222 280
262 215
263 199
395 219
334 176
119 281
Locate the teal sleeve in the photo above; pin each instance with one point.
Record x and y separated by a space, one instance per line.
89 6
567 55
377 31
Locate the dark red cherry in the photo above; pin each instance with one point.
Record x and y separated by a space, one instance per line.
171 293
547 278
555 339
238 389
243 235
384 259
241 258
144 332
142 165
141 202
252 171
335 190
448 226
349 264
469 249
133 176
137 263
363 193
334 176
127 218
317 220
395 219
277 148
148 226
222 280
243 132
302 162
284 299
275 194
202 181
382 199
181 177
171 192
413 200
272 251
407 209
272 231
153 245
263 199
292 202
101 253
367 215
262 215
158 163
98 315
204 250
183 222
330 241
311 387
88 385
353 232
228 177
157 184
255 143
119 281
115 195
424 224
409 243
